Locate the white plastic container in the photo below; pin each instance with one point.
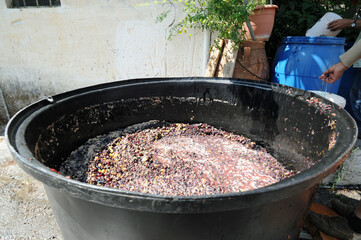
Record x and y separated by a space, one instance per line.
339 100
320 27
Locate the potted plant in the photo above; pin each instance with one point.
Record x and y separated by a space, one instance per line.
228 18
234 22
262 21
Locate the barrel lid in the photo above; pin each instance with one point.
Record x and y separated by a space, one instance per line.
314 40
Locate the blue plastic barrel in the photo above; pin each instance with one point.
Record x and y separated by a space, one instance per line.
299 62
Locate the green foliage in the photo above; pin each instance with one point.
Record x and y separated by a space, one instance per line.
226 17
294 17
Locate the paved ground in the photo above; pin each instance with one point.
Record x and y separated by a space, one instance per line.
350 171
24 209
26 214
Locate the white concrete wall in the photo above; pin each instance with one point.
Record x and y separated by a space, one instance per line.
45 51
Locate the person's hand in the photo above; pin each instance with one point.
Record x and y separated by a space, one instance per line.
333 73
339 24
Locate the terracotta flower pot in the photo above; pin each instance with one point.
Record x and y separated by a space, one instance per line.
262 21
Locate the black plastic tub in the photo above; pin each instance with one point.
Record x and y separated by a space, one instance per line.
280 118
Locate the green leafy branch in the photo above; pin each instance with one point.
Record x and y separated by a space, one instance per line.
225 17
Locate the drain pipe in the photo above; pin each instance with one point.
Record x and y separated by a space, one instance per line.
249 25
4 103
206 49
341 187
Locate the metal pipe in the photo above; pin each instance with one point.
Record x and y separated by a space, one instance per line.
206 49
4 103
341 187
249 25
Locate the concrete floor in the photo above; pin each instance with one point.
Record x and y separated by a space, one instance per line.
350 171
26 214
24 209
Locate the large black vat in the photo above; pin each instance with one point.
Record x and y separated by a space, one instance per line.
280 118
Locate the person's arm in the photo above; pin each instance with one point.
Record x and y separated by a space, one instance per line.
333 73
344 23
352 55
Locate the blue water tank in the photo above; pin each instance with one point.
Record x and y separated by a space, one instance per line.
299 62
